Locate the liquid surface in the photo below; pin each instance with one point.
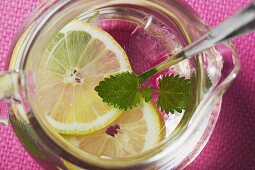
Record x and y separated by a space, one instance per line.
80 58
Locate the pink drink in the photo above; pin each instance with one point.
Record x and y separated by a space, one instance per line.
147 44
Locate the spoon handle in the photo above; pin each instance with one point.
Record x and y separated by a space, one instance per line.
236 25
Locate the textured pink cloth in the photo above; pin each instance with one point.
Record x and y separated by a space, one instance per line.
232 145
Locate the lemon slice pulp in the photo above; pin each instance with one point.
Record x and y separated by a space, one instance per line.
135 131
76 60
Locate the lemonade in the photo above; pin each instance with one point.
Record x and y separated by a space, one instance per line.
81 55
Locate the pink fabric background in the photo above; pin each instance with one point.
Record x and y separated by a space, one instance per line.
232 145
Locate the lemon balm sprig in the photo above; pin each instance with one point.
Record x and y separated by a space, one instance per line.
126 90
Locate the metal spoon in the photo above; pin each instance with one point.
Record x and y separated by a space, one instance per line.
236 25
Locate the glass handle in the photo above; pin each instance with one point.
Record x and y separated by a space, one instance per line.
10 86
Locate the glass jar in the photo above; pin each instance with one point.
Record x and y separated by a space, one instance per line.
215 69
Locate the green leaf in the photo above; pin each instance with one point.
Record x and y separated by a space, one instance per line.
174 93
120 90
147 93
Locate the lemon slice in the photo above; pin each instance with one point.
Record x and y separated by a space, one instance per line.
77 59
135 131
